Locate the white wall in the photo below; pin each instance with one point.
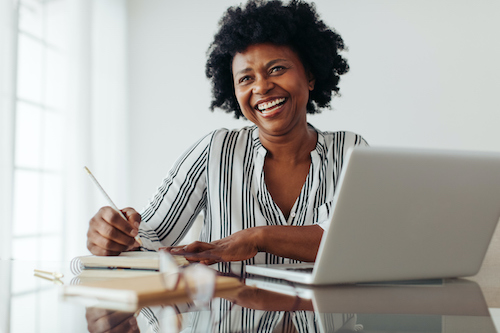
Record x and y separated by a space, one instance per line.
424 73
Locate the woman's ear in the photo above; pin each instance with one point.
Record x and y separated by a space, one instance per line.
312 81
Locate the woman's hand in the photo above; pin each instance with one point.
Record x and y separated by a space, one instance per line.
295 242
101 320
109 234
239 246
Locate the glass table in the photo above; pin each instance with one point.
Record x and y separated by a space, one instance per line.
32 304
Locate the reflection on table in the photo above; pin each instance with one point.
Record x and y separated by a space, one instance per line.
432 306
31 304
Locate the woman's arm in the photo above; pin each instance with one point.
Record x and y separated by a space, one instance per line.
295 242
260 299
176 203
179 198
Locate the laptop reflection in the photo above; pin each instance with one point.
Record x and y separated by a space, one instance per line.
450 305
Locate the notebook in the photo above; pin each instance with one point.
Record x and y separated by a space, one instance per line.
404 214
135 260
132 293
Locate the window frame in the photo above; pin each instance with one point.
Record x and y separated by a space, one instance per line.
37 235
7 126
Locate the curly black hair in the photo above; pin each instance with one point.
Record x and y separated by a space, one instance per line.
296 25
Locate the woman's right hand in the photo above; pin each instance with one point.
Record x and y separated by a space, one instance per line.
102 320
109 234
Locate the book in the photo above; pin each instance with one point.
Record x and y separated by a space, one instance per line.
136 292
126 260
99 274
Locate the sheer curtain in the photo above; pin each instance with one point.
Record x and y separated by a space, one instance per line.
89 76
7 74
7 91
62 106
97 125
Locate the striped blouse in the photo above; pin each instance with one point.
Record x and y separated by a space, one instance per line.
222 175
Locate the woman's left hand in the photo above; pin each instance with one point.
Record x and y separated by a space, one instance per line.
239 246
295 242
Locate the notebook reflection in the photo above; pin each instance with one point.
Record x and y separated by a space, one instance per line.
445 306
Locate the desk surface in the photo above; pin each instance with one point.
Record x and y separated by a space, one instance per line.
30 304
489 275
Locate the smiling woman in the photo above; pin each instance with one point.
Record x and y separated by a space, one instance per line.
265 189
272 88
295 25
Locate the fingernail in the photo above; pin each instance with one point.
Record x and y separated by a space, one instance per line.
134 232
133 322
136 224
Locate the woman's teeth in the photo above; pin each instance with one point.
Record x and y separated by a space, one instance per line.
270 106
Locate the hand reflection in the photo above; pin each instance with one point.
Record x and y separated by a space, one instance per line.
101 320
260 299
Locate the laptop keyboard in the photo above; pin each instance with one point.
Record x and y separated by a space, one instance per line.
300 269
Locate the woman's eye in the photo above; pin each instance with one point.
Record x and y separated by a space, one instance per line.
244 79
277 69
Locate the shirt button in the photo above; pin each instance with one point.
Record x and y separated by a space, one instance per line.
292 215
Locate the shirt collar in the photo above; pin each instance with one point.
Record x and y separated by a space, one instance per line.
319 150
260 150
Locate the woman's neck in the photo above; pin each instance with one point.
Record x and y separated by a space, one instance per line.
293 147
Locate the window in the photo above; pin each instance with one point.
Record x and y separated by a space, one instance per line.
50 127
37 207
37 227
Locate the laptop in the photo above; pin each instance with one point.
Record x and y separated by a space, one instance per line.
404 214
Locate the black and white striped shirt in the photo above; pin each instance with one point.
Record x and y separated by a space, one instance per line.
222 175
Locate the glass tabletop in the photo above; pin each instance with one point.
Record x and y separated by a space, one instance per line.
33 304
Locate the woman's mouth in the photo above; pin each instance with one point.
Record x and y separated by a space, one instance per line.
271 106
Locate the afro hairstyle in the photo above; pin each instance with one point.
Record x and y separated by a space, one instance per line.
296 25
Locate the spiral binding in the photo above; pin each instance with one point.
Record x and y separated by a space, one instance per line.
75 280
76 266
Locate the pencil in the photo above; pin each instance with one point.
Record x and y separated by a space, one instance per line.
56 275
111 203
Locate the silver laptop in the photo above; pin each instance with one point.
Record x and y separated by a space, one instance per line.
404 214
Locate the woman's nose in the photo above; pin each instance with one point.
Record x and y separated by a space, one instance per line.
262 85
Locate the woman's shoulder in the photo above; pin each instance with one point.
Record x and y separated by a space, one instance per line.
222 134
240 131
223 138
342 138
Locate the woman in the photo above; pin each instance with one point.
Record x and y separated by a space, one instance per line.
265 190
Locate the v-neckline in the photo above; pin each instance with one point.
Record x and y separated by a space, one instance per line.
261 152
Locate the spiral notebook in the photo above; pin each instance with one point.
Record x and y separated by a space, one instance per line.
132 293
136 260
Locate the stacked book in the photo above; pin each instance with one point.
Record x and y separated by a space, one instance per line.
132 280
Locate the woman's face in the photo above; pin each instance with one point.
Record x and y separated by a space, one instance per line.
272 88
